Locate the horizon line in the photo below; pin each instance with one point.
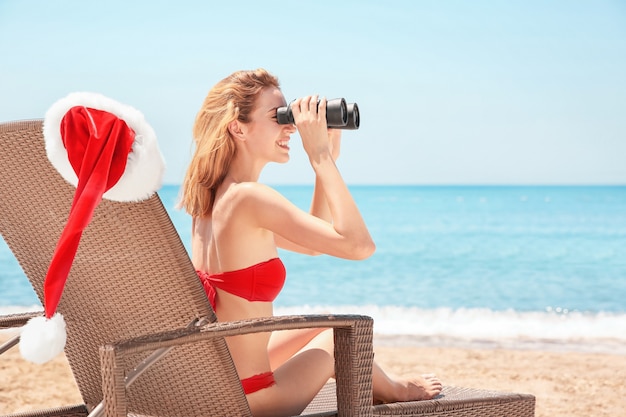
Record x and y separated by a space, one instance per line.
173 184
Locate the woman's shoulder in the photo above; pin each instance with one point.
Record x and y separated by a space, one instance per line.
249 195
253 191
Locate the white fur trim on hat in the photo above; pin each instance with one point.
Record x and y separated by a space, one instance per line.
145 165
43 339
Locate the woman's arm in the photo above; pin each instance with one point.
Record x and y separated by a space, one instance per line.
319 203
295 229
310 118
347 236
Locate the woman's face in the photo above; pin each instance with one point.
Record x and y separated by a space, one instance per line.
265 136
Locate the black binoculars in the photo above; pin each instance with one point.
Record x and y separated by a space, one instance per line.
339 114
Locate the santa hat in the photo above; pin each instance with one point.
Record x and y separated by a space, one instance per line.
106 150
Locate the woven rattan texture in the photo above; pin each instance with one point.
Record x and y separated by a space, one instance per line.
355 355
70 411
131 276
453 402
464 402
16 320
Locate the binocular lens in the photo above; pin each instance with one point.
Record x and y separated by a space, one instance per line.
339 114
354 119
336 112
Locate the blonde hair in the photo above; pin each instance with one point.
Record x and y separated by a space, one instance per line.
233 98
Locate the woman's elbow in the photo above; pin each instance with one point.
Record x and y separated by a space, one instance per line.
363 250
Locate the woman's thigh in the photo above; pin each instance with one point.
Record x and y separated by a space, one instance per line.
284 344
298 380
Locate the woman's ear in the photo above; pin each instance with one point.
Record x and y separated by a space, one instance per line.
235 129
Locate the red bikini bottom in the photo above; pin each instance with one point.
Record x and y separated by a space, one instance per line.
258 382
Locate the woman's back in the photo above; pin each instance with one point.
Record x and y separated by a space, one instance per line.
229 241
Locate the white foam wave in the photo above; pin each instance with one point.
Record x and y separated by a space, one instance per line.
553 330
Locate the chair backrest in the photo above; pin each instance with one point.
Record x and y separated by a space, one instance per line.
131 276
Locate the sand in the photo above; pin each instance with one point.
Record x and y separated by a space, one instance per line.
565 384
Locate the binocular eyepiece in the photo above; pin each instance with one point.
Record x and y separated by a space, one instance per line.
339 114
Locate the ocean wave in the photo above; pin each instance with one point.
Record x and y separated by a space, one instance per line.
554 329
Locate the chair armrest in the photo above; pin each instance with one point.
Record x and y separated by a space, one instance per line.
65 411
11 321
353 355
17 320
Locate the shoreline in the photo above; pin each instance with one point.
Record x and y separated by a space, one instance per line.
575 384
602 347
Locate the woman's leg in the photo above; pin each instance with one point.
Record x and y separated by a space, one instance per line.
284 344
310 365
299 379
385 387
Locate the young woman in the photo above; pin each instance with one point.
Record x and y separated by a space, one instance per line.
238 224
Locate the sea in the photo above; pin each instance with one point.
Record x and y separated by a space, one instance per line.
515 267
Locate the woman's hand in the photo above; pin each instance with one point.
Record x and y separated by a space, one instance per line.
310 119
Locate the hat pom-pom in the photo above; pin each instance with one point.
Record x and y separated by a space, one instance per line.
42 339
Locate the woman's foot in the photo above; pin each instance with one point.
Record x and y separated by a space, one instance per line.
423 387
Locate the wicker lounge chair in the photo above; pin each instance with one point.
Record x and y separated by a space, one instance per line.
148 308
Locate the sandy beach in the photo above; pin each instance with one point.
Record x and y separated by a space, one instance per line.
565 384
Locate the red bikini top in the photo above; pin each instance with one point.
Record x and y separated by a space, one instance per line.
260 282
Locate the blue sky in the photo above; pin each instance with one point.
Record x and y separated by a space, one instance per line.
450 92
